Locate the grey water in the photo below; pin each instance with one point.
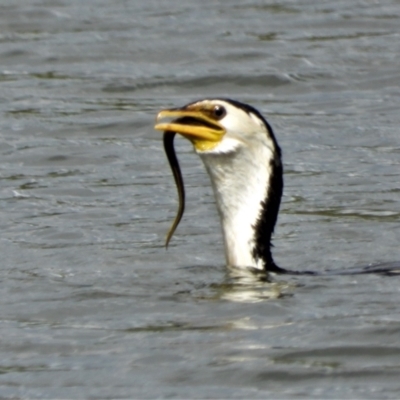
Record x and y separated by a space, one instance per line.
92 304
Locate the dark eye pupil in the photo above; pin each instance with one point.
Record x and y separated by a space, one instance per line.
219 111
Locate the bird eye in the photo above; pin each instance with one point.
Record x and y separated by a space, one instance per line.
219 112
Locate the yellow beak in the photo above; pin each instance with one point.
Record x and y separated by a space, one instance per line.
195 125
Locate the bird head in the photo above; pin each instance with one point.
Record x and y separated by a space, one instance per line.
217 126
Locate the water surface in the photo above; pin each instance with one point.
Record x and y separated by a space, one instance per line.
93 306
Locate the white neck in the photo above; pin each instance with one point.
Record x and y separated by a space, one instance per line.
240 180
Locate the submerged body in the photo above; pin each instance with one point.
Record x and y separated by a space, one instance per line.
243 160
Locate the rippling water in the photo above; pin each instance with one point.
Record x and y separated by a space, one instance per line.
92 303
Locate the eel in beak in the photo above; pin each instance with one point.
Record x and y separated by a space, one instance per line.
168 139
199 125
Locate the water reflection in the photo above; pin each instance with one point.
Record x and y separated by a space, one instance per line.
251 286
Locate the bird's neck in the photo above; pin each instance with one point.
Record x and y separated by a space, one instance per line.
247 187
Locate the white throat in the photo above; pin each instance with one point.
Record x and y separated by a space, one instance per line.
240 177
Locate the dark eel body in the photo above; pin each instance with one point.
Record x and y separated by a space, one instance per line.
176 171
